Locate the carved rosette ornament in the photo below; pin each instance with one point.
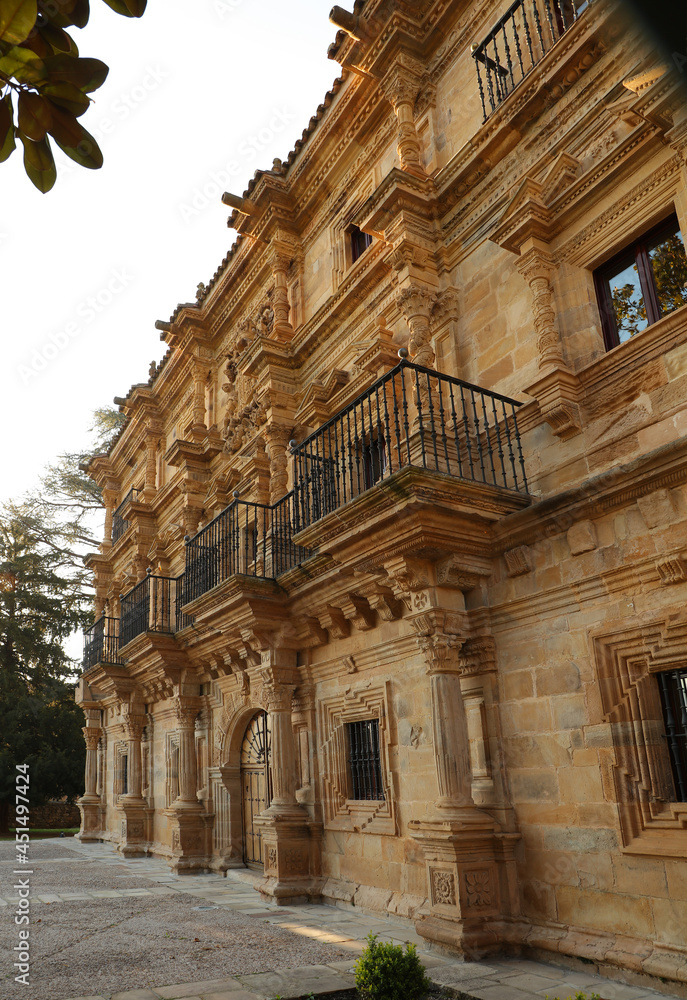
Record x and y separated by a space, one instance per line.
537 266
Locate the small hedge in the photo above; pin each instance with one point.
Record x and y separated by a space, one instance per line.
387 972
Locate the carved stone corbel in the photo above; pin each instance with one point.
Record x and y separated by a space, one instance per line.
401 86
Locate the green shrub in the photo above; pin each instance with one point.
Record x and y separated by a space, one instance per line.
578 996
386 972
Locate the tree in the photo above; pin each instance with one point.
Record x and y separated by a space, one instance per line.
60 513
39 721
44 598
40 66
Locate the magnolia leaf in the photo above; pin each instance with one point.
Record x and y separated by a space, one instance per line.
64 128
86 153
17 18
86 74
129 8
58 39
7 143
24 65
39 163
68 12
67 96
33 115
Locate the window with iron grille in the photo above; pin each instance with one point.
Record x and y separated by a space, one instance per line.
673 687
364 760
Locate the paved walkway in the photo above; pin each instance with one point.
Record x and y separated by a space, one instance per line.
498 979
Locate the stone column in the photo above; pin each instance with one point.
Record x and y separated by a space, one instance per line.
152 438
92 737
134 734
90 803
285 824
536 265
557 390
415 302
401 87
199 379
278 699
188 770
459 842
281 328
109 502
277 438
449 721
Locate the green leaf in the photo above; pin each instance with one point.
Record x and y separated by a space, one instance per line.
39 163
86 74
33 115
129 8
64 127
17 18
24 65
67 96
7 142
58 39
87 153
67 12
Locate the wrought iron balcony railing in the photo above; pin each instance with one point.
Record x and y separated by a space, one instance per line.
119 523
412 416
251 539
101 643
520 40
150 606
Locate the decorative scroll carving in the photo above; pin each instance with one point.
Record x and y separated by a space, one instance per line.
415 302
672 569
536 267
518 560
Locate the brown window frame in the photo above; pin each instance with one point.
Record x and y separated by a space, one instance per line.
635 253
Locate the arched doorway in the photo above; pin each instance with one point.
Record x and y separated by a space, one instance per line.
256 784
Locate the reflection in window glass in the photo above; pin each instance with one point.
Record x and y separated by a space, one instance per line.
628 302
669 266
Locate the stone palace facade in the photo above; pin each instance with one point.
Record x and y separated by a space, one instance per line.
391 599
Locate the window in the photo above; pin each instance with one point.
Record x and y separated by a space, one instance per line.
646 281
360 241
673 687
374 458
364 760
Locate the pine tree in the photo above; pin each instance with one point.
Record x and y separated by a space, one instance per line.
39 721
45 597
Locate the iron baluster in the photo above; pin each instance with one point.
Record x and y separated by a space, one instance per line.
511 453
456 439
549 18
478 435
498 439
508 59
519 443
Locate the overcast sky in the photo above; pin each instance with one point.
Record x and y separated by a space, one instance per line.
200 94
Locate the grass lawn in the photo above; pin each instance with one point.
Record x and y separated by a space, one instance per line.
68 831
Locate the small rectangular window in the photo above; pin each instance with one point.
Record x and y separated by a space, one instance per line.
646 281
360 241
673 687
364 760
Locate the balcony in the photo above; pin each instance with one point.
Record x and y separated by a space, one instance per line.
119 523
101 643
412 417
153 605
517 43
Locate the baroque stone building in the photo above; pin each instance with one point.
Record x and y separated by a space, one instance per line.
390 603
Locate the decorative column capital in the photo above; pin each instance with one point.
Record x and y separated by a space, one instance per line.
186 710
91 735
133 727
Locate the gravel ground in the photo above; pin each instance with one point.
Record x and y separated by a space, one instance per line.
101 946
58 869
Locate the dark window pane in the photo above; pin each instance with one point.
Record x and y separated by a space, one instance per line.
673 687
669 268
628 302
364 760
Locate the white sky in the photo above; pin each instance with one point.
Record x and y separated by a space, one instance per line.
194 86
